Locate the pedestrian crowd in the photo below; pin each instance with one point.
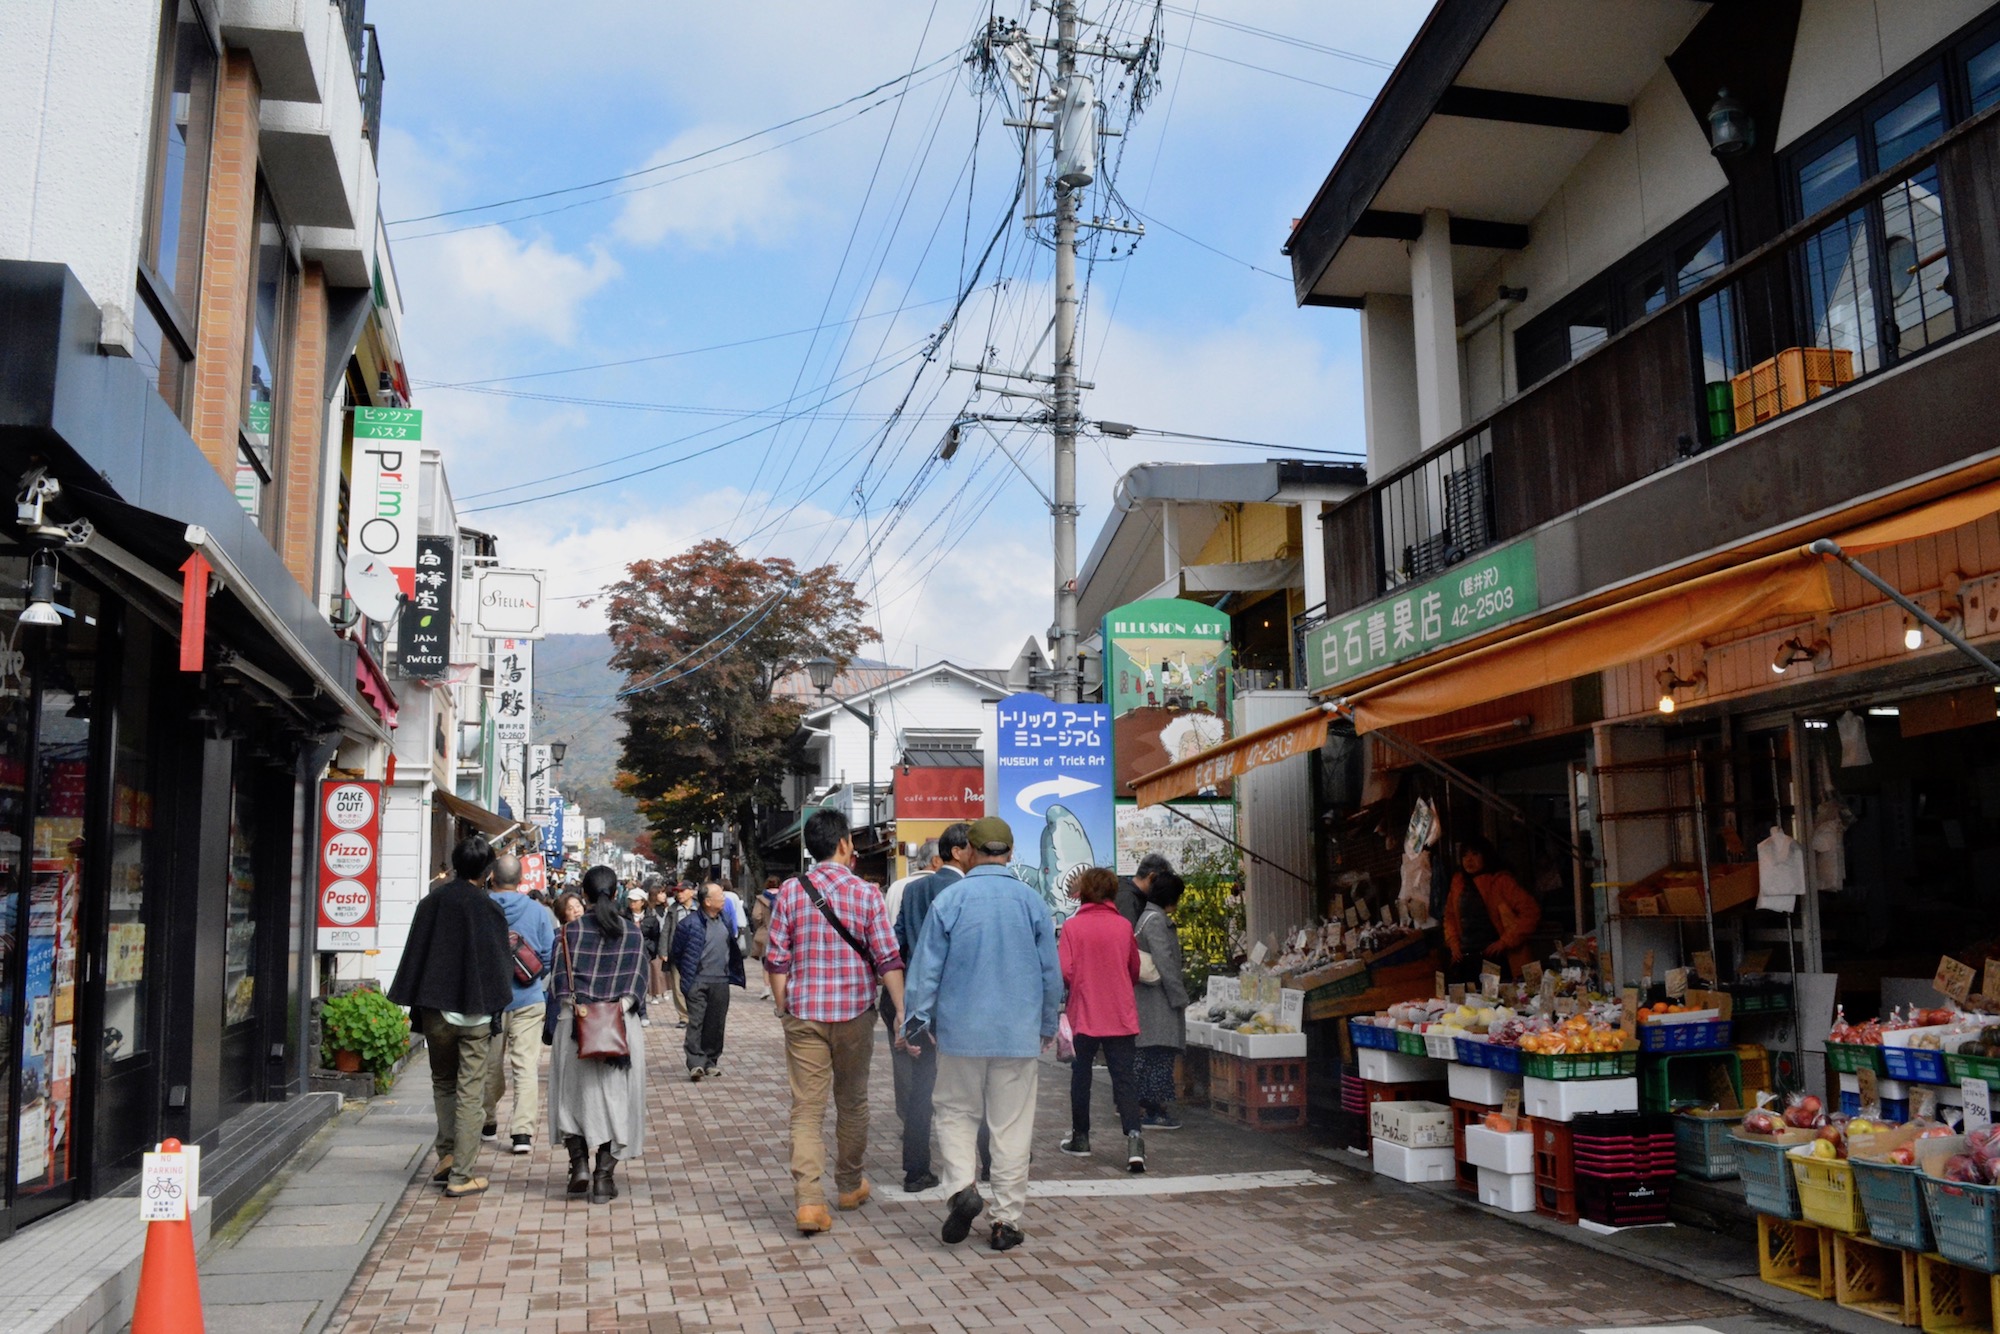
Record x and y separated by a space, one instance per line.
960 961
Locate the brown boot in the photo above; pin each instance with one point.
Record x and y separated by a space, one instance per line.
814 1218
854 1199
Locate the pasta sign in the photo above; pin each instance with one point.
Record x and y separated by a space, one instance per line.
350 872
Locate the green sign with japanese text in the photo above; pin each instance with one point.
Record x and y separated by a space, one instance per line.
388 424
1476 595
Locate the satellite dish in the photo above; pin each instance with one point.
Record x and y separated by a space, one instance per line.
372 585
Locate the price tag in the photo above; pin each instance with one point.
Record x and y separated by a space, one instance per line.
1299 941
1978 1105
1677 983
1456 993
1954 979
1291 1009
1350 940
1353 915
1566 1006
1257 953
1630 1000
1704 966
1549 983
1989 986
1510 1106
1870 1095
1388 915
1648 969
163 1187
1531 976
1339 905
1489 985
1439 983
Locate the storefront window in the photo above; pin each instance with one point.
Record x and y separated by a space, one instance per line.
125 989
64 661
180 171
239 989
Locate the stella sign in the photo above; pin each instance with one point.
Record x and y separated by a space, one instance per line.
507 604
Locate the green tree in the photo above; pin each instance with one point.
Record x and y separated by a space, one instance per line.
1209 918
701 638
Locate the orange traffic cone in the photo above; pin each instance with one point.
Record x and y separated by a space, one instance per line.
169 1290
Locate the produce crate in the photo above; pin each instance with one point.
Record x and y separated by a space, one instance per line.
1875 1280
1768 1184
1464 1114
1774 999
1961 1066
1684 1079
1797 1257
1755 1063
1791 379
1826 1193
1705 1147
1489 1056
1372 1035
1965 1220
1354 1095
1952 1299
1850 1058
1410 1043
1555 1155
1896 1110
1700 1035
1555 1203
1441 1046
1373 1092
1915 1065
1622 1144
1583 1065
1631 1201
1261 1094
1893 1198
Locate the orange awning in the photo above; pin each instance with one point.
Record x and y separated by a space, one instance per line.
1790 583
1299 735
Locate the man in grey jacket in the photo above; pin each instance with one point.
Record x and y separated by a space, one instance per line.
1162 1004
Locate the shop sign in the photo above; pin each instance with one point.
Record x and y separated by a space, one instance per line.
1479 594
513 691
534 873
1054 767
507 604
382 509
350 873
552 834
1166 678
936 793
423 634
541 782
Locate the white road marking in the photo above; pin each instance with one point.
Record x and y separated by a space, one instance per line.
1656 1329
1140 1184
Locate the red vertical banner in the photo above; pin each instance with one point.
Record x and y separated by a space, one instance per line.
194 611
350 864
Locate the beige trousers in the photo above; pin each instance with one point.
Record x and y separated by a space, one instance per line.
998 1091
828 1060
517 1048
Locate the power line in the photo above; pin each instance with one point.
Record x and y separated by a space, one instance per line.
1197 241
1284 39
1266 69
679 162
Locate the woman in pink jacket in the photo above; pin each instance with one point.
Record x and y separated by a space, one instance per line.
1100 965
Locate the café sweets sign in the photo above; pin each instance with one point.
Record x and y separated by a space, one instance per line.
1476 595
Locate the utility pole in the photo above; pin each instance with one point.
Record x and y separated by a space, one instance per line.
1072 119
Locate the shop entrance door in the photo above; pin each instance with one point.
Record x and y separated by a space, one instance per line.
241 999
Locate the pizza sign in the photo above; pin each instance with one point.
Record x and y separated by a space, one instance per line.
350 843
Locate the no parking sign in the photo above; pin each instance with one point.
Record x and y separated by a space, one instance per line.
350 844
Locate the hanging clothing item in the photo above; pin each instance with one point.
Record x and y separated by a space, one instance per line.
1829 844
1414 892
1853 741
1781 872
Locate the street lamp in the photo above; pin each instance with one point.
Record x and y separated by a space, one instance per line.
821 671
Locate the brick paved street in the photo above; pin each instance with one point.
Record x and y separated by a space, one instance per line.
702 1238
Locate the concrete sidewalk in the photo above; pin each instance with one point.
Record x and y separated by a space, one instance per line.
283 1262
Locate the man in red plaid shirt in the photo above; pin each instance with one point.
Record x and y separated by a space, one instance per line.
822 960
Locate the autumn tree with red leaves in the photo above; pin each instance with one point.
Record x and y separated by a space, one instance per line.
701 638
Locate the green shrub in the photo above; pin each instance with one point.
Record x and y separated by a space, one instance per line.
368 1023
1209 919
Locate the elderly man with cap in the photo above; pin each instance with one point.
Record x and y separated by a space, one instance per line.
520 1037
986 988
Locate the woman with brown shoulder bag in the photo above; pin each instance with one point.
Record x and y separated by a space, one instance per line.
597 1070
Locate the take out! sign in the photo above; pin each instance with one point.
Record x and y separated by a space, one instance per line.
350 872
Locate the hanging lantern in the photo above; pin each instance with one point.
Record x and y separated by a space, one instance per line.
1730 129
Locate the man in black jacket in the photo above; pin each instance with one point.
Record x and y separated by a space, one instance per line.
456 975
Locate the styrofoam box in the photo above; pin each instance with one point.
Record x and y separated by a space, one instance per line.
1567 1099
1401 1163
1513 1192
1889 1090
1200 1033
1265 1046
1395 1067
1499 1151
1414 1125
1488 1088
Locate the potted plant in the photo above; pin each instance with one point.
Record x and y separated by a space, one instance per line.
363 1030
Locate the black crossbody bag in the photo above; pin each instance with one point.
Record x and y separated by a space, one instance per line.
840 927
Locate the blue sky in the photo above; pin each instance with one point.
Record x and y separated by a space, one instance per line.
864 221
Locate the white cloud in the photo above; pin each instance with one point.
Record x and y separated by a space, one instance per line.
749 199
494 282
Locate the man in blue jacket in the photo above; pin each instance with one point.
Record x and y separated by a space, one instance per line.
986 988
708 958
520 1036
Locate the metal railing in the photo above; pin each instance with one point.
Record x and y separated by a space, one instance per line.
1906 260
353 20
371 94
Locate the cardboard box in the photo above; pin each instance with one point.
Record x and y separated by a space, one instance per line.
1416 1125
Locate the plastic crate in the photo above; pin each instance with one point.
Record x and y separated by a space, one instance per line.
1791 379
1826 1193
1353 1095
1341 989
1556 1202
1700 1035
1555 1158
1441 1046
1961 1066
1488 1056
1583 1065
1410 1043
1893 1198
1261 1094
1774 999
1850 1058
1896 1110
1372 1035
1965 1221
1915 1065
1797 1257
1755 1063
1704 1147
1631 1201
1685 1079
1768 1184
1875 1280
1952 1299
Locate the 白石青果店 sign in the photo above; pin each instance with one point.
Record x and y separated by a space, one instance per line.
1477 595
350 871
